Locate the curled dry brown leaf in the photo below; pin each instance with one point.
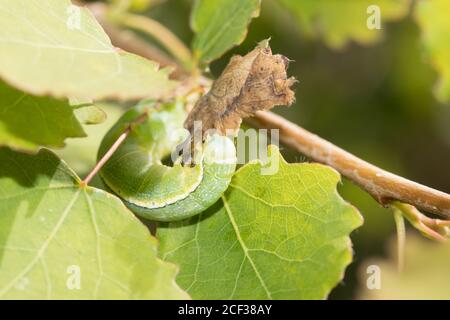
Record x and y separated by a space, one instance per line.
250 83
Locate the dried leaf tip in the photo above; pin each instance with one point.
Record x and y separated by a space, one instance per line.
264 43
250 83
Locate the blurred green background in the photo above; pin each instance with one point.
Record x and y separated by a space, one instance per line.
375 100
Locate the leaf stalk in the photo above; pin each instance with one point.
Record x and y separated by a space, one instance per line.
113 149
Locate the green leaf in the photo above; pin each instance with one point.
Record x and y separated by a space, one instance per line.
219 25
81 154
53 47
27 122
339 22
426 273
280 236
53 232
433 18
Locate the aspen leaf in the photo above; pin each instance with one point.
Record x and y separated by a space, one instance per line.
28 122
51 47
219 25
60 240
280 236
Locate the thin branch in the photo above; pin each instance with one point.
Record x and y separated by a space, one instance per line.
113 149
382 185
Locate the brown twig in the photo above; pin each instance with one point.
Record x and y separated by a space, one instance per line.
113 149
382 185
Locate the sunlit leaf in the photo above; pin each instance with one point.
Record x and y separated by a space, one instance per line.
59 240
220 25
279 236
53 47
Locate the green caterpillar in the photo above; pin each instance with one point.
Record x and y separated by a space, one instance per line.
153 190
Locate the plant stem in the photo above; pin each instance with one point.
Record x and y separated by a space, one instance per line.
401 236
112 149
382 185
431 228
